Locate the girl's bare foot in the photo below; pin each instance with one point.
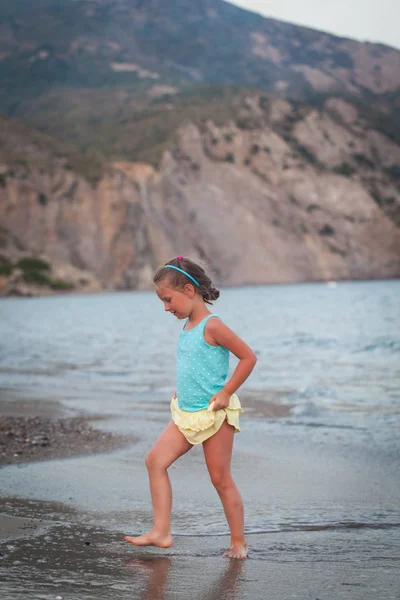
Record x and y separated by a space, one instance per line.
239 551
151 539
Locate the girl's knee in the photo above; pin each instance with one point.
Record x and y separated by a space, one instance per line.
221 480
151 460
154 461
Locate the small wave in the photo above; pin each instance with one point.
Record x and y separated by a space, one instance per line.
326 527
385 344
325 425
14 371
52 369
113 373
307 339
299 527
311 392
309 409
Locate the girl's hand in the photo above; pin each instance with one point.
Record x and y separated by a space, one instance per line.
174 395
220 400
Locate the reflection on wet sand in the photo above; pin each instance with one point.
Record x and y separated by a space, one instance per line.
225 587
158 569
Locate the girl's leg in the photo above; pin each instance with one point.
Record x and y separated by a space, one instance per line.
169 446
218 454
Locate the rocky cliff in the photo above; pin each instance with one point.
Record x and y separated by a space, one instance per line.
136 130
24 272
288 193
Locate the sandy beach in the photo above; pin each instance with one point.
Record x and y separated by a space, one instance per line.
62 523
47 435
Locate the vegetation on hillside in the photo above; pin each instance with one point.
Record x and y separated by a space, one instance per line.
86 130
91 129
35 271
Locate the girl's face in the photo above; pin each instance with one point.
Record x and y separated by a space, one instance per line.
177 302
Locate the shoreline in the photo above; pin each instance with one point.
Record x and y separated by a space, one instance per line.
115 291
33 430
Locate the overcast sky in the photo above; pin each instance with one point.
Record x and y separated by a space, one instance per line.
364 20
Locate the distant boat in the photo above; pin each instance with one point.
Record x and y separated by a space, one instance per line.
331 284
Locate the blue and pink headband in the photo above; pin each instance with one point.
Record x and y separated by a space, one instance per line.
182 271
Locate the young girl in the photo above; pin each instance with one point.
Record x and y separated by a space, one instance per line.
205 408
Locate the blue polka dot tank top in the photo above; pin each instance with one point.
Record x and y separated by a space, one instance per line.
201 368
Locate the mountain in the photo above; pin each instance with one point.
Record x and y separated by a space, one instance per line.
89 72
133 130
109 42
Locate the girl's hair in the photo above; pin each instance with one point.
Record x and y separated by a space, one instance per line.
178 280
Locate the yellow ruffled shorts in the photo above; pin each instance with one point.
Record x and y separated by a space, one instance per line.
198 426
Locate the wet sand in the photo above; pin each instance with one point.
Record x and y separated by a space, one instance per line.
35 430
69 559
322 520
29 439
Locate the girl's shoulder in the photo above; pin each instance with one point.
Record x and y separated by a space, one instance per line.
214 320
212 327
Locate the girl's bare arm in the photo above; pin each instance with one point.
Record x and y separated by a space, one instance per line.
223 336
